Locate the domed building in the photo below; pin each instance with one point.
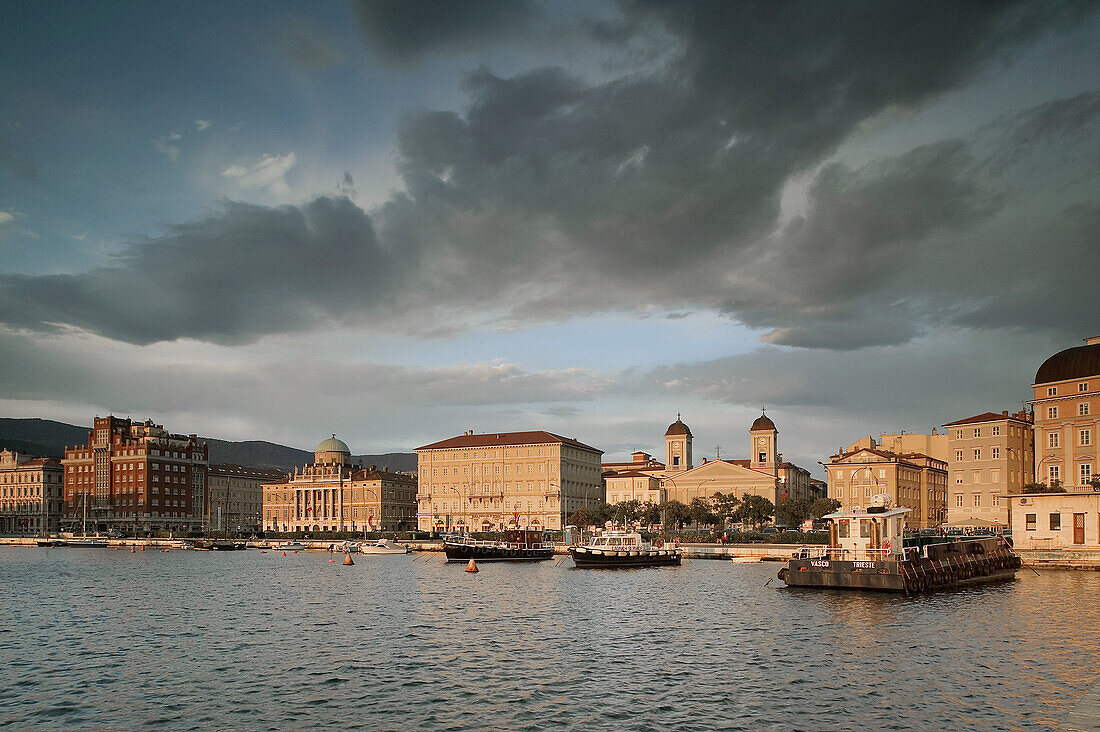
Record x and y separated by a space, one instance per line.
764 473
334 495
1067 399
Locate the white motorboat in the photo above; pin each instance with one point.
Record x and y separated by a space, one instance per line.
382 546
617 548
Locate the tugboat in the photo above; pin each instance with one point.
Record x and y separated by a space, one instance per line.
519 545
867 551
618 548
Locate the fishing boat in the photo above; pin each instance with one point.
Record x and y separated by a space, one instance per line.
619 548
293 546
868 550
50 542
381 546
518 545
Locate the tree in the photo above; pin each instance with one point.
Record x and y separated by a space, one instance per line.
1055 487
754 510
626 512
793 511
702 512
675 514
823 506
725 505
581 517
651 514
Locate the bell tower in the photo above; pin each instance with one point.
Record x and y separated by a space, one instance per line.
763 447
678 446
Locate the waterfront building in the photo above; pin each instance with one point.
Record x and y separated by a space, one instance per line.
1056 521
134 476
934 445
911 480
764 474
30 494
486 482
332 494
1066 406
235 497
990 455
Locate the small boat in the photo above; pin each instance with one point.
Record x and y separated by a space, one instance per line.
618 548
745 560
87 542
294 546
518 545
50 542
381 546
868 550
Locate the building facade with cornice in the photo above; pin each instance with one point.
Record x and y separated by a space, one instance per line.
30 494
135 477
1067 409
493 481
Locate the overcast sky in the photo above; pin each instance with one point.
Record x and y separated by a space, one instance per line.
397 221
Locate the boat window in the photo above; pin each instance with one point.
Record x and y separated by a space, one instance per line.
843 529
865 529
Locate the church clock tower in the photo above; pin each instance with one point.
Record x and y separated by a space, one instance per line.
763 446
678 446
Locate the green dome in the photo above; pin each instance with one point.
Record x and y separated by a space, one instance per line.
333 445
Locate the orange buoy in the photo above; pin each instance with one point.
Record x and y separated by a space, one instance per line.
132 550
347 560
471 567
332 560
284 554
143 547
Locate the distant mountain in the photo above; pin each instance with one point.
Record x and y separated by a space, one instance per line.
44 437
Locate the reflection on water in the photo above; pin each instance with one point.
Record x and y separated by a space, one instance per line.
95 638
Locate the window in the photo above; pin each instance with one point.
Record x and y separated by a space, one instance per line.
996 430
882 473
1082 409
958 500
1052 439
1052 391
958 434
1083 386
958 456
865 529
1029 522
976 477
996 501
1054 472
1086 437
1052 412
842 529
977 453
867 491
1055 522
1086 473
996 453
978 432
976 500
995 475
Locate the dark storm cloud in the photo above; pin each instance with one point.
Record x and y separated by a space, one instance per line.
401 31
234 276
552 195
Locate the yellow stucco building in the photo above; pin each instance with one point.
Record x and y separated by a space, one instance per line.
1066 403
912 480
489 482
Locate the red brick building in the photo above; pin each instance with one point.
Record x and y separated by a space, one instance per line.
134 476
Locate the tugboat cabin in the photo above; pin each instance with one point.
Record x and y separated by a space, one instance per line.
874 534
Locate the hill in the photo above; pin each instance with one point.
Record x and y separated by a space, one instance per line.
45 437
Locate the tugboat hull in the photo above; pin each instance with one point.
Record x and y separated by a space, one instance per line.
466 552
945 566
585 557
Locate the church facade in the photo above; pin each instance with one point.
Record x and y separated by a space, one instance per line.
764 473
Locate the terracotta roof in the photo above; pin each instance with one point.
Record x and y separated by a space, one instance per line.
986 417
366 474
39 462
744 463
506 439
1072 363
630 474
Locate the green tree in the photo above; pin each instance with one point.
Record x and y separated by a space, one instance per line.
1055 487
675 514
626 512
651 513
754 510
793 511
581 517
725 505
702 512
823 506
